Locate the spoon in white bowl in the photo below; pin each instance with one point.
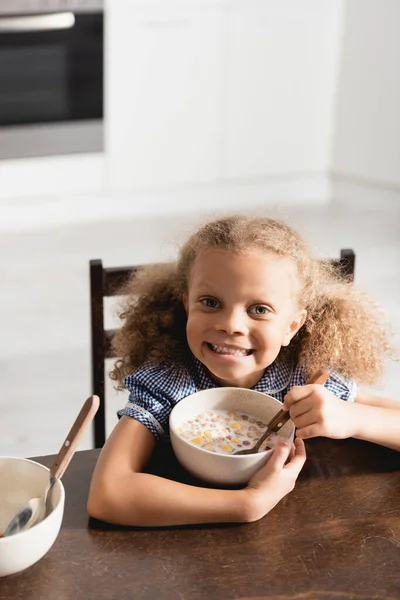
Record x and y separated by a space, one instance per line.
282 416
35 509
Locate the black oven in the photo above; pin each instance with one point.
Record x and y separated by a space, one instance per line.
51 77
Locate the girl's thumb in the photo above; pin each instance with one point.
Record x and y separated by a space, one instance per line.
280 453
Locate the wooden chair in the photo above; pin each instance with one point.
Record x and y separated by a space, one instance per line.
106 282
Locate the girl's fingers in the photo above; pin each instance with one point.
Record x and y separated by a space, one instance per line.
292 452
297 393
279 455
300 408
299 457
306 420
310 431
300 448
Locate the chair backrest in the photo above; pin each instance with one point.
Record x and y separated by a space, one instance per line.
106 282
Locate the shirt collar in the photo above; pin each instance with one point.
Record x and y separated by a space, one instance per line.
276 377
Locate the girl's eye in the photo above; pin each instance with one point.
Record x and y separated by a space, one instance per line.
210 302
259 310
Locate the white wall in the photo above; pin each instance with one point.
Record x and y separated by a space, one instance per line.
366 151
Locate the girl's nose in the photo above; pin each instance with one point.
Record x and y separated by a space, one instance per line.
232 322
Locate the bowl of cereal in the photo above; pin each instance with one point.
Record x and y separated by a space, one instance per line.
20 480
207 427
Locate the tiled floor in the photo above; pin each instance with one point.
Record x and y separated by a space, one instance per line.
44 306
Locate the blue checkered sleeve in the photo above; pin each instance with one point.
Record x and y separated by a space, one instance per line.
342 387
154 389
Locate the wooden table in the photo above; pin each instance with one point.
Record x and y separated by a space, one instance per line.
337 535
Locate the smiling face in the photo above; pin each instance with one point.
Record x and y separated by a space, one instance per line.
241 310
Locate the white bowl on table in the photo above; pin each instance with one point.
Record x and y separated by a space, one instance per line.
212 467
20 480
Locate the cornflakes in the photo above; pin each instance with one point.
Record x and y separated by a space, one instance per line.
225 432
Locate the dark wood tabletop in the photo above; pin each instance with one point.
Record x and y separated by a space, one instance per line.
337 535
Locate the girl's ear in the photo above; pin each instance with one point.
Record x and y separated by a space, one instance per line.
294 326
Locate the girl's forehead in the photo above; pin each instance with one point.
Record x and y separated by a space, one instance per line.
213 265
217 257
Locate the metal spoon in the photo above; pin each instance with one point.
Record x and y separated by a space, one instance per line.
282 416
35 510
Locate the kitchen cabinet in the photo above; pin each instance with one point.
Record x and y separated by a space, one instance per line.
278 87
163 93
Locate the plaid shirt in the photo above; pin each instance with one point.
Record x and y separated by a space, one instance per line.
155 388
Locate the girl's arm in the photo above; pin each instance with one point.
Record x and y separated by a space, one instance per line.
121 493
377 419
318 412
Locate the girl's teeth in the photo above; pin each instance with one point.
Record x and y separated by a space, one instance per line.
223 350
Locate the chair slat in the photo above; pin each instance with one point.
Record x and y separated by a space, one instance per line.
108 338
115 277
97 347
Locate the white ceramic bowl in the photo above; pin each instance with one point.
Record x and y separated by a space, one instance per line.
21 480
224 469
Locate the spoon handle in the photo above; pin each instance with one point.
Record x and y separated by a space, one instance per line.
283 416
70 444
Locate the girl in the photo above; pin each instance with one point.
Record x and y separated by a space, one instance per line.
246 305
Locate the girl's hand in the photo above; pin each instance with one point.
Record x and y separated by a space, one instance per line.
275 479
315 411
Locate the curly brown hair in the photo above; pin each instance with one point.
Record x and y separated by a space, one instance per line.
344 330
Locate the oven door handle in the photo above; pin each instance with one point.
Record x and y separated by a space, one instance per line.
62 20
